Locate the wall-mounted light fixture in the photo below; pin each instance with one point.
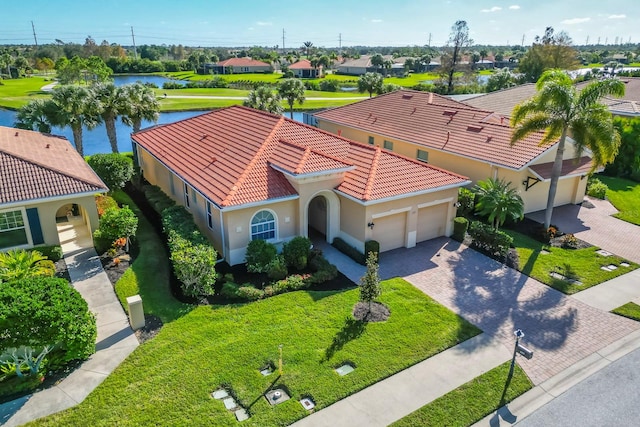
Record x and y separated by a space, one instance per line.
456 204
371 225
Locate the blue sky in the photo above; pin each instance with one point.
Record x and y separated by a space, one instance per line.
362 22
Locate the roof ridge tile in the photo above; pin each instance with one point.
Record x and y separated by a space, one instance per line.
372 174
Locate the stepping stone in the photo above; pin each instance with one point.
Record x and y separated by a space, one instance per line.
612 267
557 275
575 282
624 264
307 404
220 394
605 268
241 414
603 252
230 403
544 252
344 370
266 372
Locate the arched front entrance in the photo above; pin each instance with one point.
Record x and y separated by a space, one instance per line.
74 230
323 216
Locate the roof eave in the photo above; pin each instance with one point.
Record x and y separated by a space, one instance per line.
51 198
405 195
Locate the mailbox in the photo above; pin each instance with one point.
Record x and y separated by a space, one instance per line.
524 351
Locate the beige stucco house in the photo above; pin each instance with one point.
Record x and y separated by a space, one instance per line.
454 136
240 66
245 174
43 181
303 69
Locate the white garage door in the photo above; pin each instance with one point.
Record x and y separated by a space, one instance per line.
390 231
432 222
564 193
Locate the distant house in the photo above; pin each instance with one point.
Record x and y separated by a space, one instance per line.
245 174
454 136
304 69
43 180
362 65
485 64
240 65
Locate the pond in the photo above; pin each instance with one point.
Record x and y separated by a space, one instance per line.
95 140
121 80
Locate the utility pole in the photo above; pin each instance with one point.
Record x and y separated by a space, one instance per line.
522 43
429 43
340 41
598 40
587 42
283 48
133 37
35 39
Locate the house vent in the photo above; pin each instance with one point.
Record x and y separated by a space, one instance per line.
472 128
449 113
407 96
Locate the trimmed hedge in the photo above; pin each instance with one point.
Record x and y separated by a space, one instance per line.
158 200
349 250
597 188
460 226
486 238
372 246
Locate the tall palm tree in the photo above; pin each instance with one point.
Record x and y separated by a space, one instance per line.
498 201
74 107
307 46
265 99
112 104
559 110
292 90
141 104
36 115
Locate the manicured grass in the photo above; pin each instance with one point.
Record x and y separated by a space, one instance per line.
583 263
201 92
14 93
149 273
472 401
168 380
624 194
182 104
630 310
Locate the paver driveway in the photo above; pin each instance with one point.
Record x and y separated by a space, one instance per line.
559 329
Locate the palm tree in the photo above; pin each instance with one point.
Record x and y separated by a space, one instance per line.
36 115
377 61
499 201
5 62
307 46
21 264
292 90
370 82
265 99
74 107
112 104
558 109
141 104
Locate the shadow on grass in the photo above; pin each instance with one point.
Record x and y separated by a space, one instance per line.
351 330
261 395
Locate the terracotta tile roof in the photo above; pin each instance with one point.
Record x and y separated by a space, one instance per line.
437 122
303 64
570 167
34 165
228 155
242 62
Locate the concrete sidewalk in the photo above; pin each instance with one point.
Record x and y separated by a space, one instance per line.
397 396
115 340
613 293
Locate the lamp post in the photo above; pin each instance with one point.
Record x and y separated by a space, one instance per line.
519 334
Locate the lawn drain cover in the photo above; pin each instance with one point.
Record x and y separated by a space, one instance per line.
307 404
276 396
345 369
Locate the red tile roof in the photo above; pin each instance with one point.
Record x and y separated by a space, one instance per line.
242 62
34 165
570 167
231 156
303 64
437 122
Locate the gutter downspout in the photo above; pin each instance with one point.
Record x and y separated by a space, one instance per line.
224 246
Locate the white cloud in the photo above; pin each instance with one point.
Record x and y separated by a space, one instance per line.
264 24
376 21
493 9
621 16
514 7
574 21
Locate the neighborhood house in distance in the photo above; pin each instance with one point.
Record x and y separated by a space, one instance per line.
246 174
43 181
463 139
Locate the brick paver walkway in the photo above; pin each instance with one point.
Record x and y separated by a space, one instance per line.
559 329
593 223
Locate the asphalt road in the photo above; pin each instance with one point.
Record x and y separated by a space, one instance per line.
610 397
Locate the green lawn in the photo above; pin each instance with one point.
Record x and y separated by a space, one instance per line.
583 263
470 402
149 273
14 93
624 194
630 310
182 104
167 380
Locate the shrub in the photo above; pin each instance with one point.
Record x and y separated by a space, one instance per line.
467 202
597 188
372 246
259 254
114 169
277 268
370 282
230 290
54 253
158 200
460 226
296 252
39 312
348 250
21 264
249 293
486 238
116 223
323 270
569 241
329 85
292 283
104 202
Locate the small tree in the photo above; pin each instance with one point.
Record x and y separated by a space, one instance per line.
370 82
195 267
265 99
292 90
117 223
113 169
370 282
499 201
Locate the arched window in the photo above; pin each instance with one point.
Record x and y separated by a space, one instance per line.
263 226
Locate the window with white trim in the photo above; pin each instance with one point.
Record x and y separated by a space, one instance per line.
371 140
193 196
388 145
187 201
13 231
422 155
209 216
263 226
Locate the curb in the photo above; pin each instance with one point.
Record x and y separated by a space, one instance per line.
544 393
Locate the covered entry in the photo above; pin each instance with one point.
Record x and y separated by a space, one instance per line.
323 215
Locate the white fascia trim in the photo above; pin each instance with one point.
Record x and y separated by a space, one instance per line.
405 195
312 174
50 199
261 203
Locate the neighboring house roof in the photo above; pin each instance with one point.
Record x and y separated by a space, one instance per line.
440 123
237 155
303 64
242 62
34 165
570 167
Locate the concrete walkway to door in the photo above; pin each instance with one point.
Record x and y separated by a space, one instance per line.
115 340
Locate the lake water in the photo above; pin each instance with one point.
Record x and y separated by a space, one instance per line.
121 80
96 141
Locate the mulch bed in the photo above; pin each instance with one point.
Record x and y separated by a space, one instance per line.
61 270
152 325
376 313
